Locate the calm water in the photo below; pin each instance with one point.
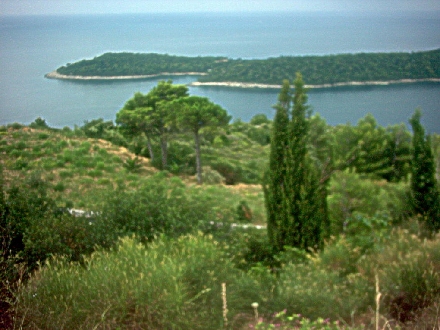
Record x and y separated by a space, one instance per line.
33 46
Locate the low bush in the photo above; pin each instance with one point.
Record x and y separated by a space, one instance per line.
409 272
170 284
210 176
315 291
66 174
132 165
350 194
159 206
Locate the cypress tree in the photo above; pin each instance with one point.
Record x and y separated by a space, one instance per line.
293 192
424 188
303 230
275 178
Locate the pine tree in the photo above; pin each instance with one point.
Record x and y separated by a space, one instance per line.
294 198
424 188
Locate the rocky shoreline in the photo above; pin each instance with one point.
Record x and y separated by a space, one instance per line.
56 75
351 83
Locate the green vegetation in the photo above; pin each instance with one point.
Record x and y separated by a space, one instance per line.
147 115
129 64
194 113
296 216
424 186
95 235
329 69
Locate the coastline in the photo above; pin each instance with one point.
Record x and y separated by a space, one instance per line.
56 75
351 83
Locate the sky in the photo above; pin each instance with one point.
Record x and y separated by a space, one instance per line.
56 7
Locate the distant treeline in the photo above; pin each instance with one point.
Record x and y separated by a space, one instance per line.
327 69
133 64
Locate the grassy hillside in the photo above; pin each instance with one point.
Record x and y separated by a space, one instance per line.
80 170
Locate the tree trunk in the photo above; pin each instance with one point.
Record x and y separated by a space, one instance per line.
150 148
164 150
198 158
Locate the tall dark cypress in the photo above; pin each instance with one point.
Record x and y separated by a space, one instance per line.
304 198
275 179
293 192
424 188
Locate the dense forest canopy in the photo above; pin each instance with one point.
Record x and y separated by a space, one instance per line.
328 69
127 64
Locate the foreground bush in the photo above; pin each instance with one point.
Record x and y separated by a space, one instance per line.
175 283
340 282
171 284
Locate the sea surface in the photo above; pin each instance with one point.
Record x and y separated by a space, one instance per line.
31 46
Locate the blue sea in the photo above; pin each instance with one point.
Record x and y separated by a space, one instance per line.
31 46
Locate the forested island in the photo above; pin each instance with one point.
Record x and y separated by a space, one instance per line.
321 71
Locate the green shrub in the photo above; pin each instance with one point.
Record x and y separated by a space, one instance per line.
21 145
68 156
104 181
86 182
210 176
62 144
50 176
260 134
244 212
181 157
100 165
20 164
82 161
15 153
95 173
102 152
49 164
39 123
60 187
316 291
43 136
132 165
409 273
49 148
231 172
117 160
168 285
65 174
259 119
85 146
21 206
350 194
154 208
15 126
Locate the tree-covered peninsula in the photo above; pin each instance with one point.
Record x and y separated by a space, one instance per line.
137 64
325 71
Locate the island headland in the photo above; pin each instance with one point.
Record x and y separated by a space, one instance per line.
326 71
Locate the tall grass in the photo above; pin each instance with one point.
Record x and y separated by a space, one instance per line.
167 285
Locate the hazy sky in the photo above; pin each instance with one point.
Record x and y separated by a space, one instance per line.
26 7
